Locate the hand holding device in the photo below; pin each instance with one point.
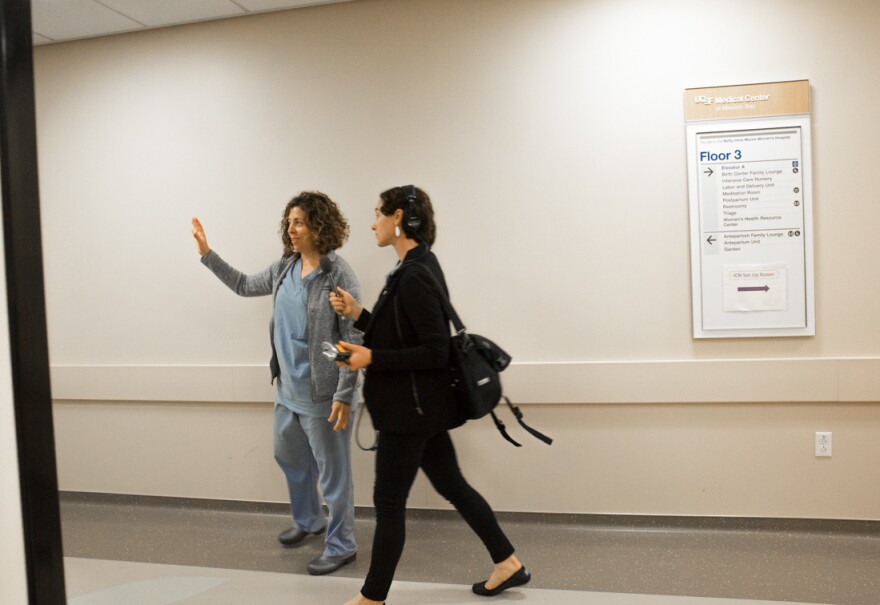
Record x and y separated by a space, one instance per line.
344 304
336 352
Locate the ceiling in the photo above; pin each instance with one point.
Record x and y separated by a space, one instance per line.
61 20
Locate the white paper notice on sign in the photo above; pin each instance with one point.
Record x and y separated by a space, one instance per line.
749 288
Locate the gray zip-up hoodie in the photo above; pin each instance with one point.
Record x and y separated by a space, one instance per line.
328 381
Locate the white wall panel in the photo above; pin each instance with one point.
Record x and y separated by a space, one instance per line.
13 568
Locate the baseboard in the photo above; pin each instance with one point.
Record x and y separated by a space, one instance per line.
598 521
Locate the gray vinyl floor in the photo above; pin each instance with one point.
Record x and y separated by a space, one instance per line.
130 551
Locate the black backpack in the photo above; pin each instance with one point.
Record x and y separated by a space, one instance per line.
476 362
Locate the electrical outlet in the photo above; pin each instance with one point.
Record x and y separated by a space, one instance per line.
823 444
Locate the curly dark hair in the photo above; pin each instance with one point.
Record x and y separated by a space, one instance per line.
421 208
323 218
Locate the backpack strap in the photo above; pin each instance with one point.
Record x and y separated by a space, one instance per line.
519 418
501 429
444 298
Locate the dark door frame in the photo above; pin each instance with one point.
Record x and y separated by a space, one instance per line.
29 351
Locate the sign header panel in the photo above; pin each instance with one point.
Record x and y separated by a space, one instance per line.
747 101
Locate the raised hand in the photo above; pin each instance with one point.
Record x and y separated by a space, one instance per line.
199 235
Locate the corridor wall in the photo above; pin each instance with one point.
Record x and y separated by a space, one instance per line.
550 136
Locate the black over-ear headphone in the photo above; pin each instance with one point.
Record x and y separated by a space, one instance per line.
410 216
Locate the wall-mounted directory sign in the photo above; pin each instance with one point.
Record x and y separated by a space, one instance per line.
749 184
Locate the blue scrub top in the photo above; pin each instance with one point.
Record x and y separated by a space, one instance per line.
294 385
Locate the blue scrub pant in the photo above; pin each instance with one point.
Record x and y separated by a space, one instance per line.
310 453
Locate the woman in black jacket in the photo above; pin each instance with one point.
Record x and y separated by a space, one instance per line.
408 394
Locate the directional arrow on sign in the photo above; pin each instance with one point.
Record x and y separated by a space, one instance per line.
710 239
709 171
753 288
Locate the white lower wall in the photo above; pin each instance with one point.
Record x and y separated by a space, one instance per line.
13 569
738 459
721 437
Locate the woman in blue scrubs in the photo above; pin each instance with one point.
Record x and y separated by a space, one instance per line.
313 398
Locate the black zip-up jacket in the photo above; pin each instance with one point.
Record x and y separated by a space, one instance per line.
407 387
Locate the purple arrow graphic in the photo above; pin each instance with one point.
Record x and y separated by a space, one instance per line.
753 288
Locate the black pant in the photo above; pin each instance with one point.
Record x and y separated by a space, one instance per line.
398 459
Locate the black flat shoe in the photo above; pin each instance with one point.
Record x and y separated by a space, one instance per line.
294 535
521 577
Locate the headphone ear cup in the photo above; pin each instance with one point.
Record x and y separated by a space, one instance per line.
412 219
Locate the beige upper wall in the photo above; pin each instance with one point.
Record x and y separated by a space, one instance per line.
549 134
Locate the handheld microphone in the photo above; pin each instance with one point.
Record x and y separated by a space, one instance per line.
327 267
336 352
